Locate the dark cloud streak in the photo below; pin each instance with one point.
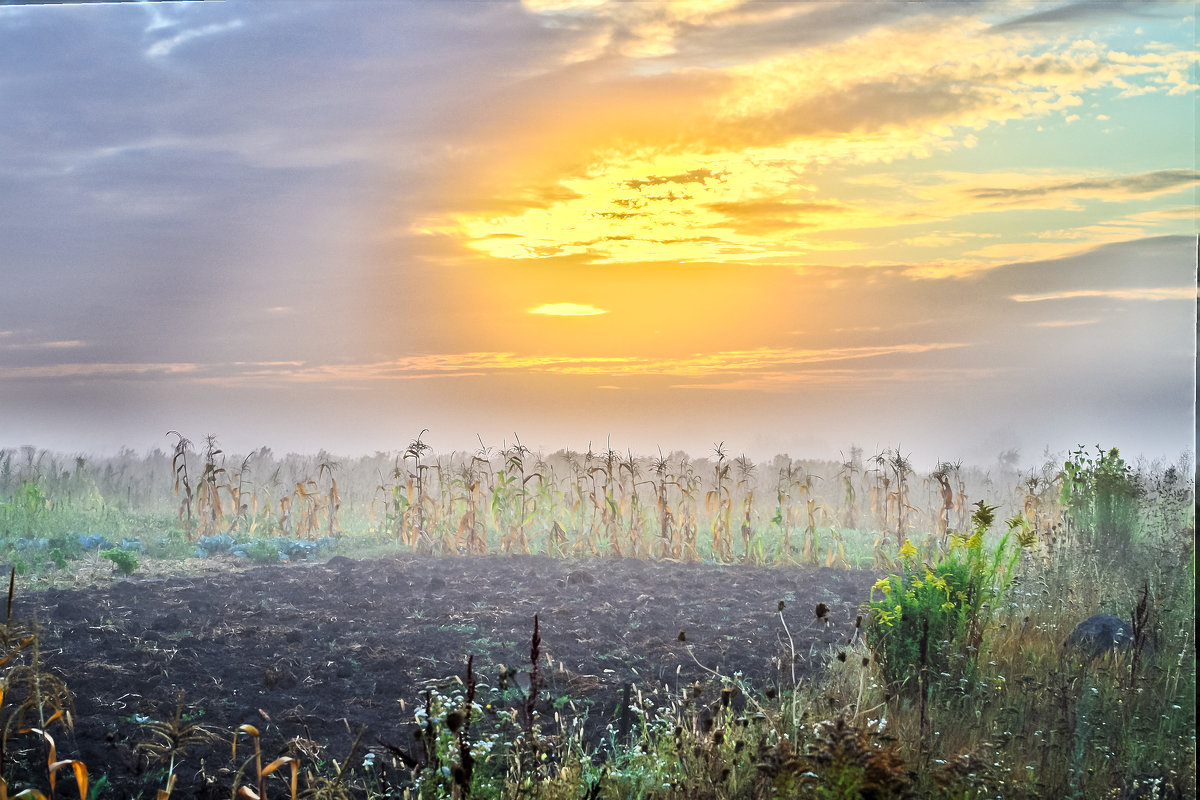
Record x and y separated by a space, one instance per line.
1088 11
1145 183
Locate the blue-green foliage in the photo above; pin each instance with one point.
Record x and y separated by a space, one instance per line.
1100 493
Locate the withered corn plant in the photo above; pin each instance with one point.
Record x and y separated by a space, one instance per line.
718 503
898 498
300 512
415 452
631 504
465 489
669 542
261 773
333 500
848 471
245 510
813 509
399 508
168 740
787 513
182 482
550 500
941 476
512 504
208 495
31 701
745 485
1039 493
606 503
690 486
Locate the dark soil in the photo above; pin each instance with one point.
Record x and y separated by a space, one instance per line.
311 653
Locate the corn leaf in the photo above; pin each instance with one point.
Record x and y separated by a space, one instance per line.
81 775
162 794
276 764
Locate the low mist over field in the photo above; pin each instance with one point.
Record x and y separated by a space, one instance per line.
956 230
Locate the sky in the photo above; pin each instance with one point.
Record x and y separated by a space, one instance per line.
953 228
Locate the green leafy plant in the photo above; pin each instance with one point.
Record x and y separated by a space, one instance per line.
124 560
262 551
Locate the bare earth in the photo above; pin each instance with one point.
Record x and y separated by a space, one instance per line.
311 653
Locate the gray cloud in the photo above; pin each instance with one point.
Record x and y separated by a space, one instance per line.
1166 180
700 176
1089 10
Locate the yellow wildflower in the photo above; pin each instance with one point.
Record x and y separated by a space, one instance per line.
908 551
937 582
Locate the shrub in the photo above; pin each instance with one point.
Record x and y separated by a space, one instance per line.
1101 494
933 618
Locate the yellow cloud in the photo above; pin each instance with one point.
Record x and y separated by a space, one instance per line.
730 163
568 310
762 362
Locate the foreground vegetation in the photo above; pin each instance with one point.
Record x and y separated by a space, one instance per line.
953 682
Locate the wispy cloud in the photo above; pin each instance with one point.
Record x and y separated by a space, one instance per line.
1085 11
62 344
1102 188
568 310
1151 294
847 378
1064 323
96 370
444 365
164 47
724 362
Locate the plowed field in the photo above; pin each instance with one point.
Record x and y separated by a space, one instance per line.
311 653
